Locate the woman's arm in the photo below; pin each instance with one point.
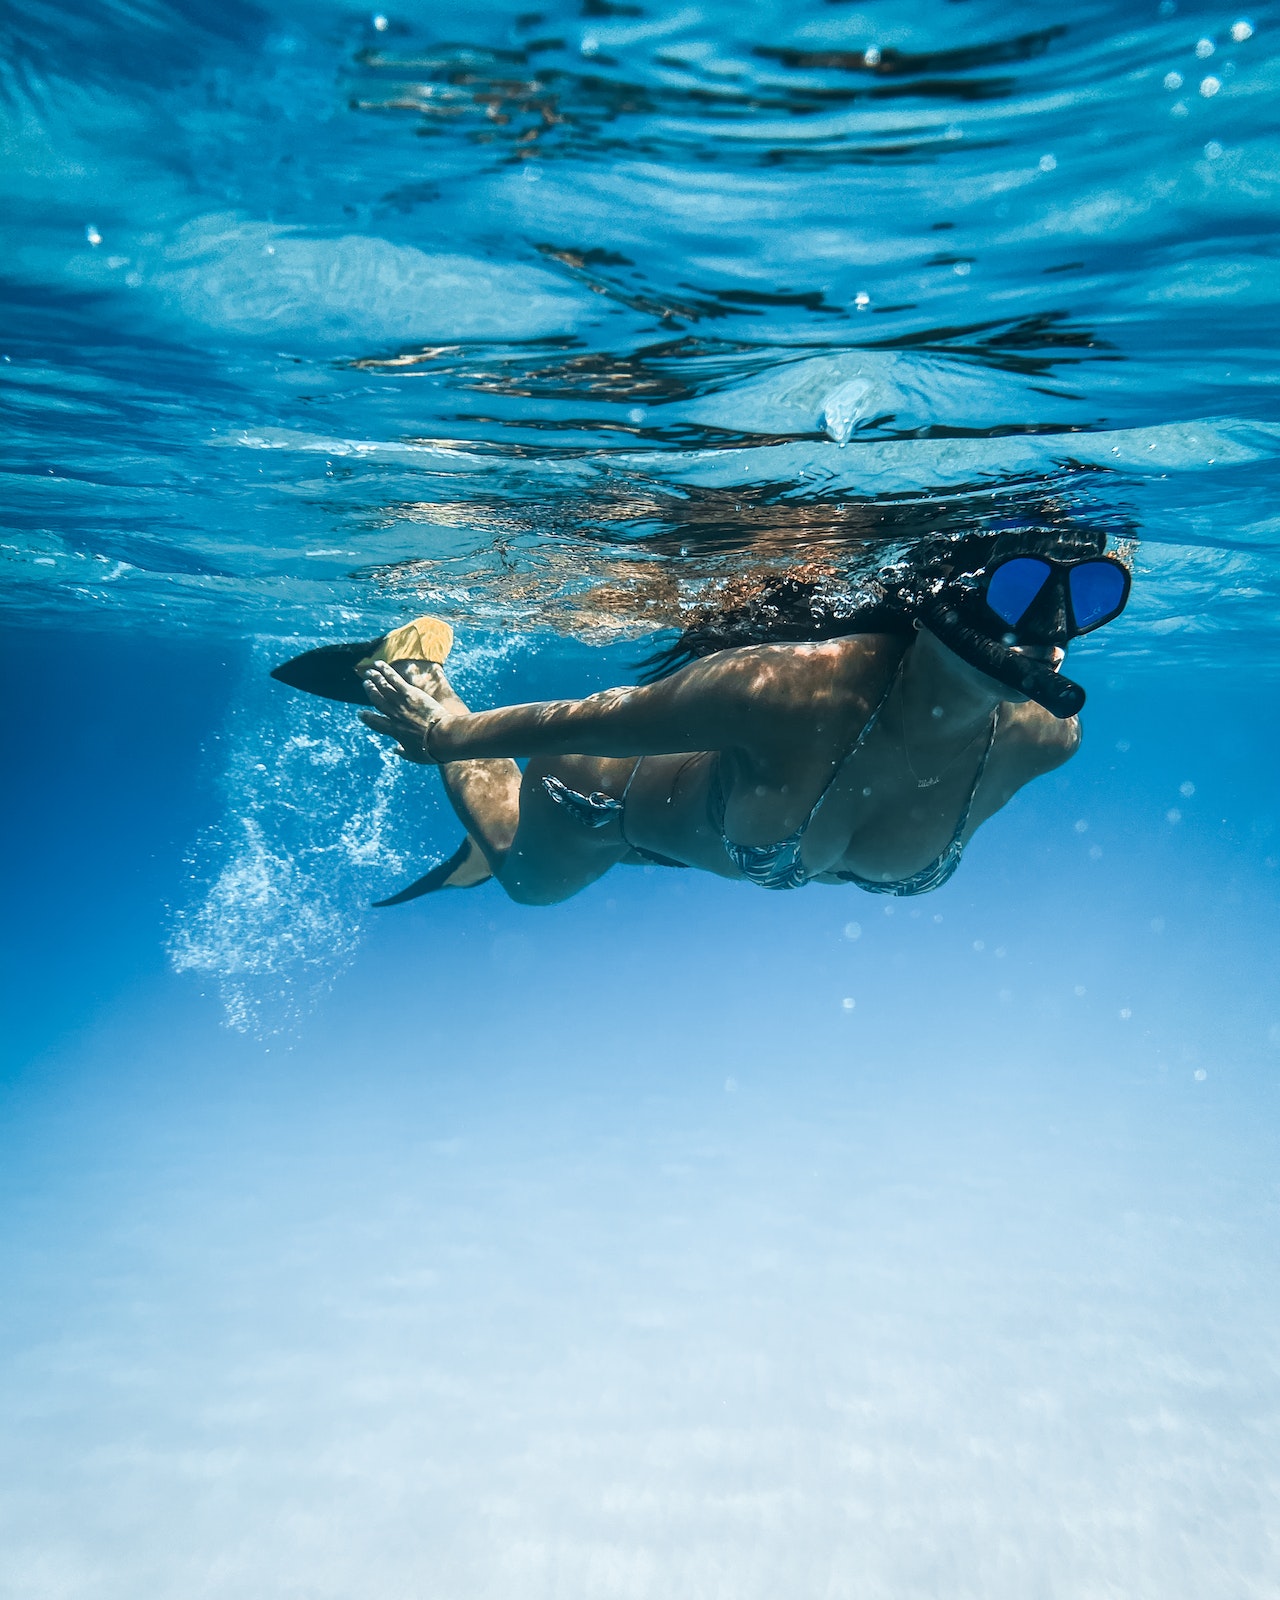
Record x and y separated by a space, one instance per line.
731 700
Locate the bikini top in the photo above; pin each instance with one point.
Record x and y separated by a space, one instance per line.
778 866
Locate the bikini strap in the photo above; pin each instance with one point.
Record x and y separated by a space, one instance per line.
595 809
857 744
715 791
977 777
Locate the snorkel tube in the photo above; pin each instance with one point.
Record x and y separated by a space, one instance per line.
1058 695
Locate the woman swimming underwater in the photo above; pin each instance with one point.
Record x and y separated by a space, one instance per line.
795 745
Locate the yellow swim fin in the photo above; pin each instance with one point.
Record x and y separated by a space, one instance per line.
423 639
334 669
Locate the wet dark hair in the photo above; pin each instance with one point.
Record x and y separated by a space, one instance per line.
816 601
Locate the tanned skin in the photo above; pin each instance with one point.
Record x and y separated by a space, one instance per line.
777 719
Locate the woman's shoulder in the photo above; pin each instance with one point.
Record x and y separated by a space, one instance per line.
847 652
1031 735
853 663
1029 743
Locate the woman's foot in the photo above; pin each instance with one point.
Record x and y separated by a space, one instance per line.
336 670
429 677
405 712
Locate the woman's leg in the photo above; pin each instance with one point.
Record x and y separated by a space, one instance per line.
484 794
536 850
553 854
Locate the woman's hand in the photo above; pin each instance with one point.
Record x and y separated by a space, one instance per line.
409 713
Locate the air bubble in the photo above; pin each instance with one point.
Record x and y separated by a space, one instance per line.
1186 790
1204 49
871 56
1048 163
853 930
1209 87
1212 150
1242 30
848 1002
862 300
1173 80
92 235
380 23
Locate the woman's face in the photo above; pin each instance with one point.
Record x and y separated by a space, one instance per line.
1051 655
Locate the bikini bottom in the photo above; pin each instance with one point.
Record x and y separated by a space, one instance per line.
596 809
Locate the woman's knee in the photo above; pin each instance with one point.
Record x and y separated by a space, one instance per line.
526 892
542 871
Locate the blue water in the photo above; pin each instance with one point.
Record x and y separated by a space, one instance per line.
682 1239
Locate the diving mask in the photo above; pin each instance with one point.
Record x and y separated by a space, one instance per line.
1044 601
1030 599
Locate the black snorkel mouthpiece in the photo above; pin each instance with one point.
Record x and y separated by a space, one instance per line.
1060 696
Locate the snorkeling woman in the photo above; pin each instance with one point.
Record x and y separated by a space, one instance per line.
795 745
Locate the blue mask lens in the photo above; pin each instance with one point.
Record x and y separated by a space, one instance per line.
1097 592
1014 585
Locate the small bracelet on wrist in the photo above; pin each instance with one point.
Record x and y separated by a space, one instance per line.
426 740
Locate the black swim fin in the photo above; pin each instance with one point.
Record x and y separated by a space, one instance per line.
329 671
467 856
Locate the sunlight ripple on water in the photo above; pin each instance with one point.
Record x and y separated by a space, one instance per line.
777 269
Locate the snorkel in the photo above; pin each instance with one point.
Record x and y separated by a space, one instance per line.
1039 586
1060 696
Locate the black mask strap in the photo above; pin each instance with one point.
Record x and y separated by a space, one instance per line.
1058 695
